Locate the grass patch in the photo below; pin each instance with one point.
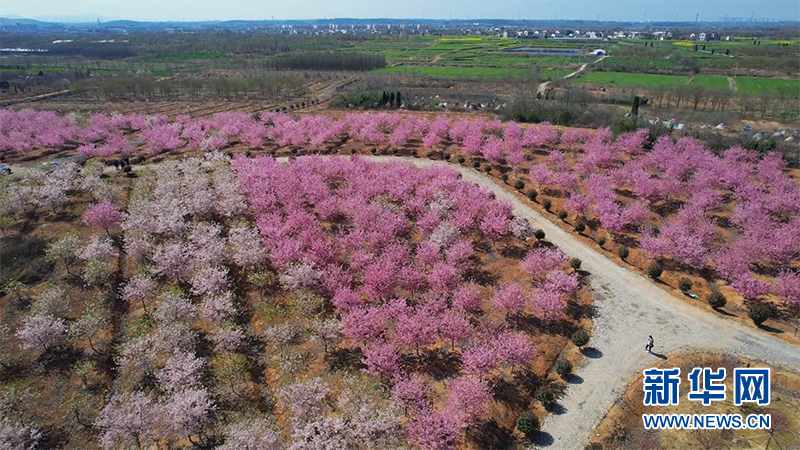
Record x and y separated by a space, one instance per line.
629 80
712 82
760 86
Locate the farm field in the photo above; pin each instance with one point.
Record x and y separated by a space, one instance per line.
759 86
629 80
474 72
712 82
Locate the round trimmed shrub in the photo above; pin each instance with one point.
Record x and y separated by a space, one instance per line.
685 284
758 313
580 226
528 424
447 156
476 165
716 300
504 177
519 185
487 168
580 338
545 395
539 234
373 150
601 241
532 194
563 368
654 270
623 253
575 263
562 214
547 205
461 159
352 151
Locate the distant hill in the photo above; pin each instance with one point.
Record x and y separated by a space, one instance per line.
6 21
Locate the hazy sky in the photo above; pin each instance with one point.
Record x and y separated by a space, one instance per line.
186 10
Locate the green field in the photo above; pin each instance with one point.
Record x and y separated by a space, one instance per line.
466 72
759 86
712 82
629 80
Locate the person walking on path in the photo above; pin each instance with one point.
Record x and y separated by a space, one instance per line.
649 347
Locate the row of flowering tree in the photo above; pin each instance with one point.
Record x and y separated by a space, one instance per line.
122 135
737 213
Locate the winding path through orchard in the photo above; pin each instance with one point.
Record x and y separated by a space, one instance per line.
628 309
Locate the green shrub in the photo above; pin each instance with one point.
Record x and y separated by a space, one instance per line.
519 185
562 214
716 300
623 253
655 270
461 159
759 313
447 156
580 338
580 226
563 368
547 205
545 395
685 284
601 241
476 165
532 194
575 263
373 150
487 168
504 177
528 424
539 234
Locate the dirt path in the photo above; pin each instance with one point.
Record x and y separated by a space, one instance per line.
629 308
732 83
543 87
583 67
34 98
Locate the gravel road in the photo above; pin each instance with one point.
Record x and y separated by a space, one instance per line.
629 308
